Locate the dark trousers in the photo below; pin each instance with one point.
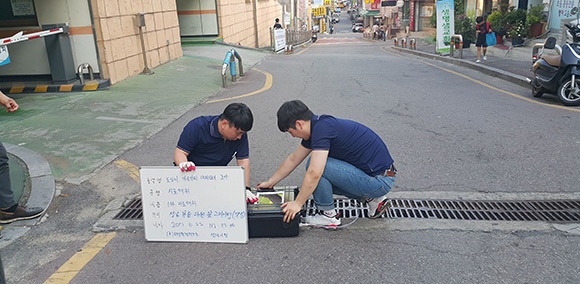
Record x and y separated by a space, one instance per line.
6 194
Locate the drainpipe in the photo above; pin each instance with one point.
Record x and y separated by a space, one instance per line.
92 16
257 43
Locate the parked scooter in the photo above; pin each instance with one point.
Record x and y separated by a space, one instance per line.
559 73
314 36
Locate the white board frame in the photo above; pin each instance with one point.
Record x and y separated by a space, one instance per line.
205 205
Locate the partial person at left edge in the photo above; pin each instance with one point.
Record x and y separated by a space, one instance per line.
10 210
215 140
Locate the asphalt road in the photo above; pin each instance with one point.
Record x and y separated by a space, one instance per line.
453 132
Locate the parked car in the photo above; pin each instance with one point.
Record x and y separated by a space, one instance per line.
357 28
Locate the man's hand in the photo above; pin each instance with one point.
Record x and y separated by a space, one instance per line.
290 210
250 197
187 166
9 103
265 184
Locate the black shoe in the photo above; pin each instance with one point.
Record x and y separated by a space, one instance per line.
21 213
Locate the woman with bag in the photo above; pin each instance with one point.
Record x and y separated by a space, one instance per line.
482 28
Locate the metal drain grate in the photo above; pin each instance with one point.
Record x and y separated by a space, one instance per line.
347 208
133 211
560 211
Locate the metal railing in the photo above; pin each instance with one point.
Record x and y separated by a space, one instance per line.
81 74
230 61
293 37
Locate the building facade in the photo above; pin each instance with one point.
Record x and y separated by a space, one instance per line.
122 38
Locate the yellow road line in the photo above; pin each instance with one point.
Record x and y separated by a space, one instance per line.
72 267
267 85
131 169
490 86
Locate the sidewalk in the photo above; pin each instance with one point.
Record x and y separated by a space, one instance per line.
66 137
509 64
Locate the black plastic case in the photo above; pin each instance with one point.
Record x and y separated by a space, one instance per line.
265 220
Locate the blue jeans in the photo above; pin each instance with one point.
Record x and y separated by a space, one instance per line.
342 178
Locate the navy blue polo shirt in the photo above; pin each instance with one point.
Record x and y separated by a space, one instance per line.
206 147
349 141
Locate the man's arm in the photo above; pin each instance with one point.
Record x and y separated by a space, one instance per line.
289 164
245 163
179 156
9 103
309 183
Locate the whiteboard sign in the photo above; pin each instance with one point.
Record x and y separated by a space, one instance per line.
205 205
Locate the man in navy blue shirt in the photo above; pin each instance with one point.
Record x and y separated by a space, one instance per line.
216 140
346 158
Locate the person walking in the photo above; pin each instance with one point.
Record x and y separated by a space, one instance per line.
277 25
346 158
482 28
10 210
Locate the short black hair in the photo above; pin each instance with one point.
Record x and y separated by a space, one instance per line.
239 115
277 20
479 19
292 111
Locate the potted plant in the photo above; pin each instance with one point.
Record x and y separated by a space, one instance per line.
534 19
516 33
497 20
465 26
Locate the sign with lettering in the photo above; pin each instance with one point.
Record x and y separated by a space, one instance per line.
205 205
4 56
445 24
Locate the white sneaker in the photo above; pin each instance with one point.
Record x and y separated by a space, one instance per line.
477 61
322 220
484 58
377 206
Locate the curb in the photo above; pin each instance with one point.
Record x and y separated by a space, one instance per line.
65 88
491 71
40 178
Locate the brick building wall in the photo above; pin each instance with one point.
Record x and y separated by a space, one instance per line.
236 21
119 41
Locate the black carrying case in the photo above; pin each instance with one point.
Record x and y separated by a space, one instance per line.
266 220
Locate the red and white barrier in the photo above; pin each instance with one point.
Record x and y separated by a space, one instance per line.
24 37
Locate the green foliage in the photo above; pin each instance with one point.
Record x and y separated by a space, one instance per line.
518 29
535 14
433 18
459 7
516 22
465 27
497 20
515 16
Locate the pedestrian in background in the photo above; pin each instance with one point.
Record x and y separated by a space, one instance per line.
216 140
482 28
346 158
277 24
10 210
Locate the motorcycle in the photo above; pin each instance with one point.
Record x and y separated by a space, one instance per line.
314 36
559 73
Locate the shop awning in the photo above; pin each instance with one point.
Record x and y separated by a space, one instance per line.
372 13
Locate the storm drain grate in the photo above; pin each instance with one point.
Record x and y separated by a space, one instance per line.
559 211
133 211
